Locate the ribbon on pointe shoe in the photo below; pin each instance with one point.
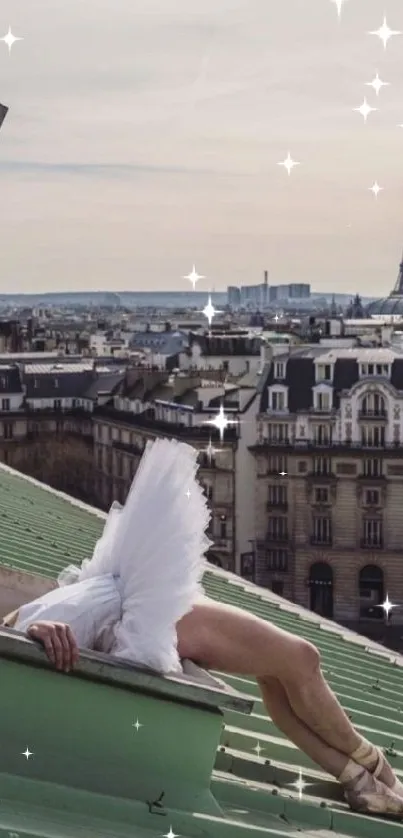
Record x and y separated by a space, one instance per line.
397 787
365 794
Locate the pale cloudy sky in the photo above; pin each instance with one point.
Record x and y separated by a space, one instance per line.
143 136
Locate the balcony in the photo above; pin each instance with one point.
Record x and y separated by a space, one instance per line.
320 541
277 504
276 538
373 415
371 543
127 448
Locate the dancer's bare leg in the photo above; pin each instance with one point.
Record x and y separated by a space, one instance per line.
232 640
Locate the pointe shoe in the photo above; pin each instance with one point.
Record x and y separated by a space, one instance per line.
365 794
397 787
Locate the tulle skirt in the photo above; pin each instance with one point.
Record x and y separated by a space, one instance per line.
146 569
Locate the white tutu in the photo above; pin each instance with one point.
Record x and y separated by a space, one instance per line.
145 573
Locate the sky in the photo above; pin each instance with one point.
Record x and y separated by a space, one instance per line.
143 137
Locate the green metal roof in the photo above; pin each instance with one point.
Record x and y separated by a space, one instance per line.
40 531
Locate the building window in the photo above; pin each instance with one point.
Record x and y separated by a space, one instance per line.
323 372
5 404
323 402
277 528
277 587
57 404
208 490
8 430
373 404
375 369
277 560
223 526
277 495
277 465
371 592
278 401
372 533
373 468
56 383
372 497
278 432
279 370
322 434
322 530
322 465
373 436
99 457
321 494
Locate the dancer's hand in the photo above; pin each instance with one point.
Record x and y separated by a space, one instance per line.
58 641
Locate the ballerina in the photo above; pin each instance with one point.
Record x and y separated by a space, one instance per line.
145 572
140 598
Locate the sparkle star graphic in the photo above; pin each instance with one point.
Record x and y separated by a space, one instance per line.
299 784
258 749
384 33
289 163
10 39
194 277
137 725
188 493
170 834
376 189
365 109
282 474
339 5
27 753
210 451
377 84
221 422
387 606
209 311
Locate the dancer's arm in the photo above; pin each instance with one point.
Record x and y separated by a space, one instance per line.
57 639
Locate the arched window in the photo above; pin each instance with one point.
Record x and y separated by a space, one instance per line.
373 404
321 589
371 592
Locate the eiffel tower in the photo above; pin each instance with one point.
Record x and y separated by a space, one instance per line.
398 287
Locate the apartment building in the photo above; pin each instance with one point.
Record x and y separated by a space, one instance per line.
149 404
329 476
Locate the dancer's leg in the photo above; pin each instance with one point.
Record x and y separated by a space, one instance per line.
232 640
281 713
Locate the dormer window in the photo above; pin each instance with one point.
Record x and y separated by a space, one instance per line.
323 372
375 369
279 370
56 382
278 400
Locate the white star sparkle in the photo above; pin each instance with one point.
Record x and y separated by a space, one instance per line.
384 33
277 318
339 5
211 451
221 422
299 784
365 109
10 39
194 277
258 749
376 189
282 474
137 725
170 834
209 311
27 753
188 493
289 163
377 84
387 606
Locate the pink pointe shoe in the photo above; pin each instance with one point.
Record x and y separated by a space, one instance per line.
365 794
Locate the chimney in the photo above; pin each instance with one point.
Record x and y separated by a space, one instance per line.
266 278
